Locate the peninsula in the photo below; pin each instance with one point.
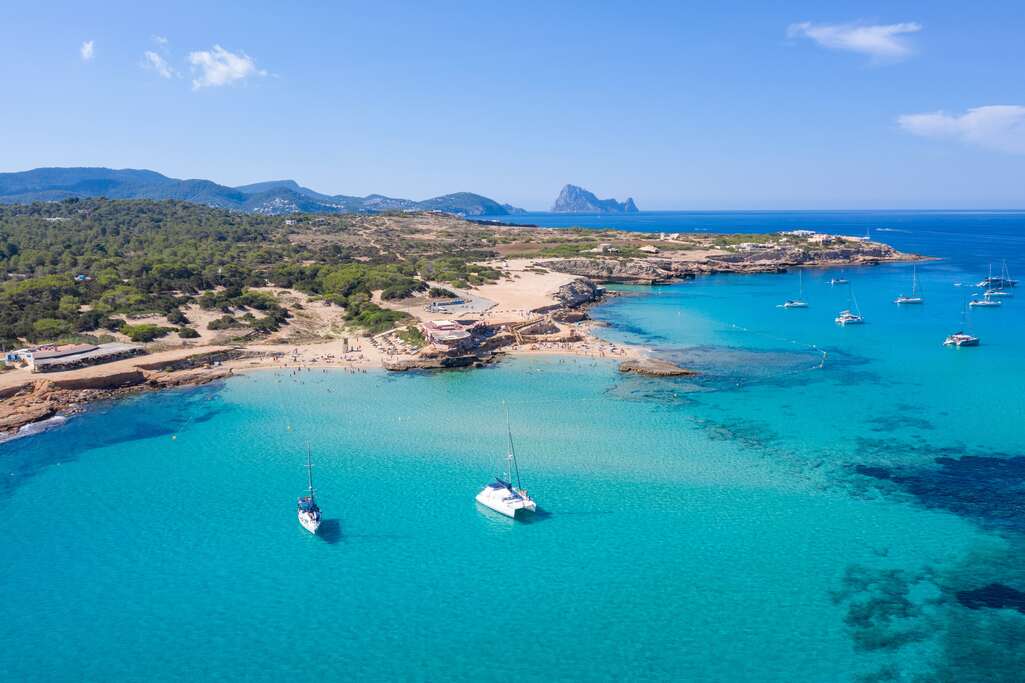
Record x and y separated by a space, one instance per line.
99 298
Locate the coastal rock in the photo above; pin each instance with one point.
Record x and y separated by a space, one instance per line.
579 292
651 367
575 199
611 270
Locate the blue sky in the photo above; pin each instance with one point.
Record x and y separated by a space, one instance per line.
680 105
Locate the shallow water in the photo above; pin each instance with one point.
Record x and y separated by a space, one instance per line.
778 518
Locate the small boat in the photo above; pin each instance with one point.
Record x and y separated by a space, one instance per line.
850 317
990 293
846 317
799 302
985 303
839 281
914 298
960 339
306 509
500 495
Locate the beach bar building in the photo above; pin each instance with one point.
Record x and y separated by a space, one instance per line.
54 358
447 333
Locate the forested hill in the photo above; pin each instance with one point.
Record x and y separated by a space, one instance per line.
270 198
80 267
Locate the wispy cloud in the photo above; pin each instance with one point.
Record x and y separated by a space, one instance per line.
160 40
881 42
217 67
88 51
999 127
157 63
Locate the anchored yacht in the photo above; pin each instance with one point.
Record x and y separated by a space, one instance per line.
799 302
306 509
500 495
850 317
914 298
985 303
960 339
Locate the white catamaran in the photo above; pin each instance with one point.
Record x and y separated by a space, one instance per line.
847 316
961 338
500 495
915 298
306 509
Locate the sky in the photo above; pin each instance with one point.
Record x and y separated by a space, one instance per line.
681 105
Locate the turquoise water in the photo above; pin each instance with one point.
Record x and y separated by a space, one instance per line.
779 518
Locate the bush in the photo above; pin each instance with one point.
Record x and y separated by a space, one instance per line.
372 317
412 336
176 317
187 333
145 332
223 323
440 293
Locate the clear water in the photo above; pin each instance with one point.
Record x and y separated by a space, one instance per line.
778 518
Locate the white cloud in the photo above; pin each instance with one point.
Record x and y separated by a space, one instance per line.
881 42
218 67
87 51
999 126
160 40
159 64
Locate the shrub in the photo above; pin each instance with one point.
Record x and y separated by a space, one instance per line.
176 317
145 332
223 323
187 333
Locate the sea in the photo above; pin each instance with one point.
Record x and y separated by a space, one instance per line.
819 504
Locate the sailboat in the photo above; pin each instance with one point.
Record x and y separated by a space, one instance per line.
799 302
1002 282
985 302
847 316
839 280
500 495
306 509
996 285
914 298
961 338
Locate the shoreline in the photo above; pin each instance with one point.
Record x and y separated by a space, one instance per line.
539 309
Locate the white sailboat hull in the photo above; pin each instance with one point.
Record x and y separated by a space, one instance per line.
309 522
505 502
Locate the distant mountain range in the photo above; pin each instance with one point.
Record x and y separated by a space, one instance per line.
575 199
272 197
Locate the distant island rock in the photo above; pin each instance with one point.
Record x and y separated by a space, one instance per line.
575 199
271 197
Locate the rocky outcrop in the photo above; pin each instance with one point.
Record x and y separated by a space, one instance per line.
443 363
652 367
579 292
575 199
611 270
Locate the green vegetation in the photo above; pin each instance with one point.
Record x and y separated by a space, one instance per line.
145 332
412 336
372 317
187 333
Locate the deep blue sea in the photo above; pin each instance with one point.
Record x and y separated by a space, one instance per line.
820 504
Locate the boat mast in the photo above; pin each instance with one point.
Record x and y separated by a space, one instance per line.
514 468
309 469
850 290
914 280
